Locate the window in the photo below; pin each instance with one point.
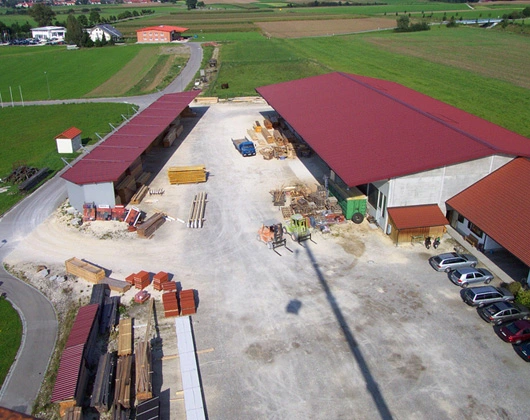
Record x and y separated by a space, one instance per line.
460 218
473 228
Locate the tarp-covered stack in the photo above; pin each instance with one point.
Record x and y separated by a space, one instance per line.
103 391
187 302
141 280
158 280
84 270
148 228
186 174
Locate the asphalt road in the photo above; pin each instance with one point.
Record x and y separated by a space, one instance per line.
38 316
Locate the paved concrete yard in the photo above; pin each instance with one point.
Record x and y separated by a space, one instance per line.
348 328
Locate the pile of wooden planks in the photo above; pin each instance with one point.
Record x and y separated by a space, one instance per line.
126 188
102 393
122 393
84 270
148 228
139 195
186 174
197 209
144 389
125 337
116 285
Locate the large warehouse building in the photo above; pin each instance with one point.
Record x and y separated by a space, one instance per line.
111 172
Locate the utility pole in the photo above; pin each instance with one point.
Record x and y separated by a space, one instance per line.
47 84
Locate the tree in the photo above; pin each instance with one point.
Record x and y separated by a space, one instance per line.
403 23
94 17
192 4
83 21
74 31
42 14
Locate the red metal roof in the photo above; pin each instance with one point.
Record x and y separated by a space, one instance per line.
111 158
82 325
368 129
499 204
69 134
68 374
410 217
163 28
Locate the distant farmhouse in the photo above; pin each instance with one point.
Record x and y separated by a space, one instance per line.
162 33
104 31
49 33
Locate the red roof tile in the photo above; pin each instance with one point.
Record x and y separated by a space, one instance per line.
69 134
68 374
499 204
163 28
410 217
82 325
129 141
368 129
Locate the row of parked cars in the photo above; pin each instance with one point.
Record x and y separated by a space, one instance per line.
494 304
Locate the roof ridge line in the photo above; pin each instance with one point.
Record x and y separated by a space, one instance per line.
428 115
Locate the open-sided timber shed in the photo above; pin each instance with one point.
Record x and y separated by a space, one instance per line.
415 223
116 163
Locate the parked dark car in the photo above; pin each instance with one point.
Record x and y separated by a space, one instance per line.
452 261
500 312
523 350
484 295
515 332
464 276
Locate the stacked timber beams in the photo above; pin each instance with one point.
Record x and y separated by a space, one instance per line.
84 270
125 337
143 372
122 394
186 174
196 215
148 228
140 194
102 393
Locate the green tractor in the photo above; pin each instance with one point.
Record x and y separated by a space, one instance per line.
298 227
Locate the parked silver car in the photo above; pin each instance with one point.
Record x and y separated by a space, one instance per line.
452 261
465 276
484 295
500 312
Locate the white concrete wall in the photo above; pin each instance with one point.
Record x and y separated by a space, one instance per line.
90 193
68 145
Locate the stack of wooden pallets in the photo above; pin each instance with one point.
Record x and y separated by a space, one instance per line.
187 302
148 228
186 174
159 279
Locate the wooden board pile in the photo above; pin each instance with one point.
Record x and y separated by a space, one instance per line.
186 174
116 285
126 188
84 270
139 195
197 209
125 337
187 302
122 392
142 353
149 227
102 394
159 279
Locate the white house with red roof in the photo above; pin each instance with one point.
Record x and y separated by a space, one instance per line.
398 146
69 141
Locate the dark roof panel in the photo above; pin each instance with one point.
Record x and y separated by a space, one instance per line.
116 154
368 129
68 374
504 217
82 325
410 217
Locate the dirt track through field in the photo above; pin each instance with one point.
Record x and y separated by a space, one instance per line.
299 29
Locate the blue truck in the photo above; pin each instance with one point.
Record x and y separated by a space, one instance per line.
244 146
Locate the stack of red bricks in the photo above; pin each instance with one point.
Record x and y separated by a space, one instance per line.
159 279
169 299
141 280
187 302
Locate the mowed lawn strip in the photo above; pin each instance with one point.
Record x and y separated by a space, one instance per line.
10 337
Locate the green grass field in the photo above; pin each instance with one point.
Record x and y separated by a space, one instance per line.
10 337
29 138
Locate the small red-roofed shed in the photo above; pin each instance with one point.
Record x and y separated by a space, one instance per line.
69 141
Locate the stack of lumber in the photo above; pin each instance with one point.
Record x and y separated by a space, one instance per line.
267 123
102 392
172 135
122 393
72 413
141 280
139 195
159 279
126 188
171 306
144 390
143 179
186 174
84 270
148 228
257 127
116 285
187 302
267 136
196 215
125 337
